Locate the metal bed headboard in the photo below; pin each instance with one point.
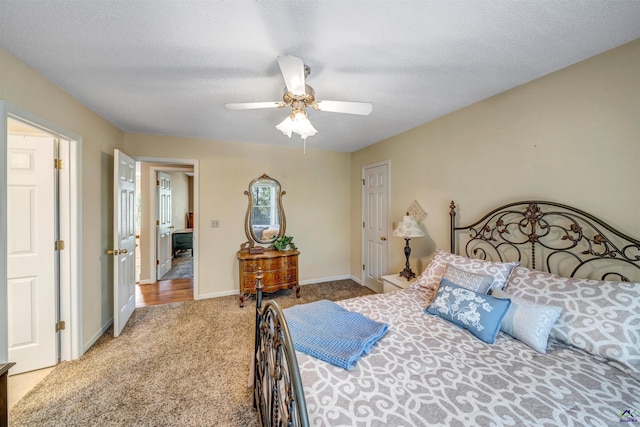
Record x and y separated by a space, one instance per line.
550 237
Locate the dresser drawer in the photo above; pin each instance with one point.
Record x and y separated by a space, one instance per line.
279 271
269 279
288 262
287 276
266 264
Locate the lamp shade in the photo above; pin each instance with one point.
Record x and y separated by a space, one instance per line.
297 123
408 228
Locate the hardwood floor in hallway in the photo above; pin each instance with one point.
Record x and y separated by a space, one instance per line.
164 291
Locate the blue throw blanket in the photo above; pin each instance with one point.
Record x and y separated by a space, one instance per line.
331 333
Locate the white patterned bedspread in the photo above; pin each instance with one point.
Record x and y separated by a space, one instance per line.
426 371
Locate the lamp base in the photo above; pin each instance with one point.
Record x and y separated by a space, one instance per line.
407 273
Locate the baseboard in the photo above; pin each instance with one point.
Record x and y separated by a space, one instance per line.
357 280
327 279
145 282
217 294
302 282
97 336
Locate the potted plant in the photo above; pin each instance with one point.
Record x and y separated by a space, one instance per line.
284 242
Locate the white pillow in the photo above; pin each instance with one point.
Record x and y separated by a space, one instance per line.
430 277
476 282
599 317
527 321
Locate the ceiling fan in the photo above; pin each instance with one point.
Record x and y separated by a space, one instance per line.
298 95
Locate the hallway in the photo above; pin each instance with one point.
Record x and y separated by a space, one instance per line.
164 291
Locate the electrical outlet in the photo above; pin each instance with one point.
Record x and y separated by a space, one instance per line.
215 223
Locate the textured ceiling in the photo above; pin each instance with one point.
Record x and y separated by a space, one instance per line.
168 67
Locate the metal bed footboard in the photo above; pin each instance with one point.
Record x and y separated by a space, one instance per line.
278 394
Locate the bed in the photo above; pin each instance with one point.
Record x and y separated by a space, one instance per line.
571 284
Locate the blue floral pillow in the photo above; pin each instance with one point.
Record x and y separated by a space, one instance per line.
481 314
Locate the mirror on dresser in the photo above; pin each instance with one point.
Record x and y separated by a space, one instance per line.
264 223
265 220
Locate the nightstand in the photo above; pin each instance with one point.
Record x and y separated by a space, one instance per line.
395 282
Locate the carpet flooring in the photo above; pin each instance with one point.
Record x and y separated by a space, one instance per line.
178 364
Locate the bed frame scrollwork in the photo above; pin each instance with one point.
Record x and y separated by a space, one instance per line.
278 394
551 237
541 235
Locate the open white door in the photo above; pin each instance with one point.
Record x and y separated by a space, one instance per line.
124 240
31 256
164 227
375 251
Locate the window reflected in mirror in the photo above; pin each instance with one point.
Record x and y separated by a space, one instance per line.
265 215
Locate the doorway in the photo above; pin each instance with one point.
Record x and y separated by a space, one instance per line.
64 301
168 231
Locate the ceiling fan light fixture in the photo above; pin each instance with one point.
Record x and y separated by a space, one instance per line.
298 95
297 123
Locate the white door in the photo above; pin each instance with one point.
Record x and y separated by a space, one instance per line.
164 227
124 240
375 212
31 256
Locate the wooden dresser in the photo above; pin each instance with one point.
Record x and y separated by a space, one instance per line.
4 397
279 271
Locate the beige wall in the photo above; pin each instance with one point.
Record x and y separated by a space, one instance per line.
24 87
572 136
317 203
179 199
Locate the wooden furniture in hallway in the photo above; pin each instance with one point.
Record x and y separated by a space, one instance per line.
182 240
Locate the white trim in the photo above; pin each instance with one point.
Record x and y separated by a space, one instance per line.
195 165
324 279
70 222
97 335
355 279
4 318
302 283
217 294
75 236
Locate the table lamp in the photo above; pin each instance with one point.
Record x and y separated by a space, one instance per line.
407 229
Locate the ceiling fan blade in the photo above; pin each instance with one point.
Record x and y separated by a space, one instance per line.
292 69
254 105
361 108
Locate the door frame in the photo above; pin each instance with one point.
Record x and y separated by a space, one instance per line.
186 166
363 216
70 214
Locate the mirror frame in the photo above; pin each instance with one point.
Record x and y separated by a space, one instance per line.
248 228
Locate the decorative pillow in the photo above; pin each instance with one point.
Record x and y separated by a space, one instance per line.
527 321
429 280
476 282
480 314
601 318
